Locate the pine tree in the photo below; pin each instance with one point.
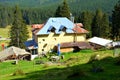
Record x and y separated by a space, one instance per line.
63 10
86 19
4 17
105 29
96 24
18 31
116 22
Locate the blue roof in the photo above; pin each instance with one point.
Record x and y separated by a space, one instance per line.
31 43
57 23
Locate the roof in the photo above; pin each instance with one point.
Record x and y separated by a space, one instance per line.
12 50
36 28
57 23
81 45
78 29
78 24
100 41
31 44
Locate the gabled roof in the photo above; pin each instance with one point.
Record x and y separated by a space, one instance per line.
100 41
57 23
11 51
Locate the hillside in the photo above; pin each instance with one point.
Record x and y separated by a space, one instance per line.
73 67
75 5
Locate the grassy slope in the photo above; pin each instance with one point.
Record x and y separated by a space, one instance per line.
40 72
4 32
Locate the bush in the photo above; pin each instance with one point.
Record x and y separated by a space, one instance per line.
18 72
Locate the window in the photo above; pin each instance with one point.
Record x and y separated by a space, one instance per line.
42 49
62 28
43 39
51 29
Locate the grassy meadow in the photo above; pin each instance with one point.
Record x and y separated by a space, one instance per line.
4 33
74 66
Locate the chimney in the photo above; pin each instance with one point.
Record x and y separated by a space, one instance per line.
71 17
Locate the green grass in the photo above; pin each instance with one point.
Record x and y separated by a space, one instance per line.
4 32
75 67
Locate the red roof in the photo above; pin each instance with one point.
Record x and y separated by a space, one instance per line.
78 29
36 28
78 24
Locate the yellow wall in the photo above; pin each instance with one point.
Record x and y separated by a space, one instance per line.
47 42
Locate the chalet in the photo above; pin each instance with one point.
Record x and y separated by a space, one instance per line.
61 31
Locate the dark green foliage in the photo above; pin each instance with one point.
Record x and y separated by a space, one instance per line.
6 16
40 10
18 31
96 25
77 74
63 10
105 28
96 67
116 22
75 5
86 19
100 25
117 61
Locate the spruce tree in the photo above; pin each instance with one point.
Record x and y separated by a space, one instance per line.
63 10
105 29
96 24
116 22
18 31
86 19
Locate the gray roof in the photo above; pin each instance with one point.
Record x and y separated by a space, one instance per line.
12 50
99 41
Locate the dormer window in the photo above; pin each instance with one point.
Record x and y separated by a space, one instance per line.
62 28
51 29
